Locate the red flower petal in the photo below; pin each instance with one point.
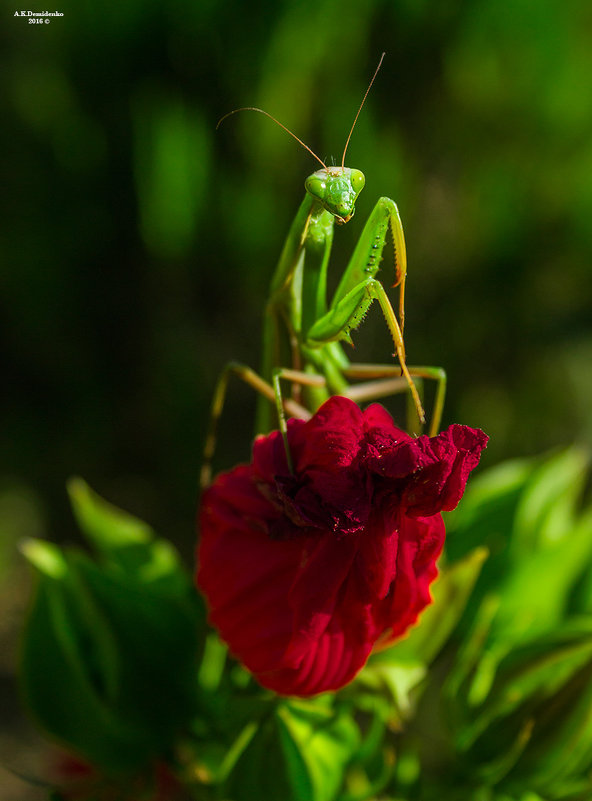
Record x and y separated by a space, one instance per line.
304 573
431 471
422 540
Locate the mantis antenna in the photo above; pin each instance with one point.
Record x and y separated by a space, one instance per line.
305 146
260 110
358 114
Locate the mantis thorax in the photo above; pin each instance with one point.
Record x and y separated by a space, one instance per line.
336 189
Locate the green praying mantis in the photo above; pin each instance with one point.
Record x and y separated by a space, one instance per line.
302 333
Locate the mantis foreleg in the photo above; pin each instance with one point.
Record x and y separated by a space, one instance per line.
359 287
349 312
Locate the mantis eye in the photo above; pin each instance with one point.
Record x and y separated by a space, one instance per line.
315 185
357 181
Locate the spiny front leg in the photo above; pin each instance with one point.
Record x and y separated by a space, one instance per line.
367 255
376 290
358 288
347 315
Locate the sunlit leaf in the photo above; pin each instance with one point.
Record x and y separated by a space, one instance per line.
546 512
450 593
106 526
298 752
97 656
536 593
485 516
125 541
527 677
63 690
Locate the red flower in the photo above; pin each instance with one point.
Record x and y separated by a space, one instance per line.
303 572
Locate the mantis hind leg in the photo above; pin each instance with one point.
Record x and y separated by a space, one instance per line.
382 380
296 377
250 377
387 381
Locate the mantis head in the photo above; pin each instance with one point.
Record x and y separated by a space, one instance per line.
337 190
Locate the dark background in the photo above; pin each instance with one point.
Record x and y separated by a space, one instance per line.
137 242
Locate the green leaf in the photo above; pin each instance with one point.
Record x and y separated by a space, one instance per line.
46 557
259 770
527 677
581 600
490 795
324 741
526 513
156 635
77 612
473 671
126 542
494 771
62 691
298 752
485 519
450 594
108 665
485 516
546 512
106 526
536 593
519 510
400 669
400 681
561 754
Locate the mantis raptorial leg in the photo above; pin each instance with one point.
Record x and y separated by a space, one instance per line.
302 332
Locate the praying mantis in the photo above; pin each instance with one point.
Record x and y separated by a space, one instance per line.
302 333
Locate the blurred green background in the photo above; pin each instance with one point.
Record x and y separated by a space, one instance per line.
138 242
